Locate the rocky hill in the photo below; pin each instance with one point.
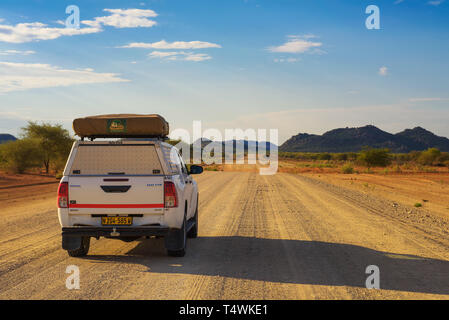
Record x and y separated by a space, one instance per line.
4 137
354 139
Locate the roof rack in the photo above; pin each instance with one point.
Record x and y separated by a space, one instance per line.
150 126
152 137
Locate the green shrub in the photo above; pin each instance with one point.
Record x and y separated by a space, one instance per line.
324 156
402 158
429 157
340 156
374 157
20 155
443 159
347 168
446 163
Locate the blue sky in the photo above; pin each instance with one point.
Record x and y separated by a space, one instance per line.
298 66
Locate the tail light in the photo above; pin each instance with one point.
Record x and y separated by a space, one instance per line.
170 197
63 195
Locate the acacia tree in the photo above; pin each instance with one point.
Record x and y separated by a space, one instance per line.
53 140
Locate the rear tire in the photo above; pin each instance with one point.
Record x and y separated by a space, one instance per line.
193 232
177 253
83 250
182 234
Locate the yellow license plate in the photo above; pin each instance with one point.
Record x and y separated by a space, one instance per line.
116 221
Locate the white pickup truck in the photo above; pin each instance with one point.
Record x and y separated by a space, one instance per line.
127 190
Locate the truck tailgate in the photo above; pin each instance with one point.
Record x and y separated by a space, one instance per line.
116 195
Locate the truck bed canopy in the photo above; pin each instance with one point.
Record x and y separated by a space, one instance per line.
121 126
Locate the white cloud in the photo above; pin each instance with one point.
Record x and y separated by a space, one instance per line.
289 60
23 76
35 31
179 55
297 44
176 45
163 54
26 32
383 71
197 57
435 2
124 18
182 45
16 52
13 115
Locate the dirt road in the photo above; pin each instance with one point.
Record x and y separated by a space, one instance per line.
261 237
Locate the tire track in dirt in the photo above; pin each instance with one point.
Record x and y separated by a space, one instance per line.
429 233
260 237
349 219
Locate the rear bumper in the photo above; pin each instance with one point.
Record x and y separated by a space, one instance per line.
114 231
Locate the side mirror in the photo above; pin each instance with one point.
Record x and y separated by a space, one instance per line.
195 169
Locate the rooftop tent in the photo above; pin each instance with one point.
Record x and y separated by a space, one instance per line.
121 125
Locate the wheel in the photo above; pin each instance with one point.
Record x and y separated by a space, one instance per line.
182 234
177 253
193 232
83 250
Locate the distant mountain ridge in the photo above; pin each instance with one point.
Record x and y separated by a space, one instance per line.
354 139
246 144
5 137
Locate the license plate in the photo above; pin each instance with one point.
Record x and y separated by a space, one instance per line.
116 221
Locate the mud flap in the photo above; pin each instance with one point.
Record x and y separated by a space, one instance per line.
71 243
174 240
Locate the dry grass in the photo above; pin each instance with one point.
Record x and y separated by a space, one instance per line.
333 166
10 179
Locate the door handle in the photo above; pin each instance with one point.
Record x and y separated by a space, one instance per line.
115 189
